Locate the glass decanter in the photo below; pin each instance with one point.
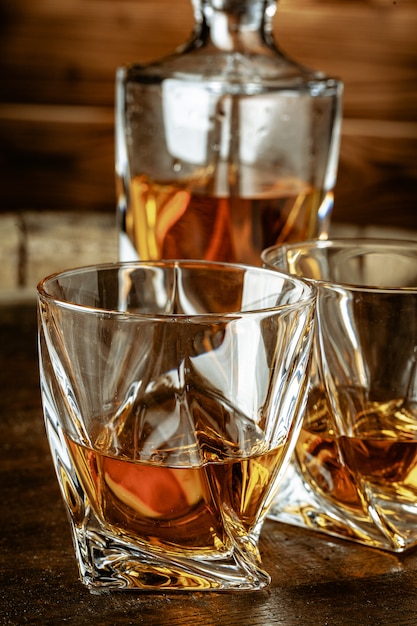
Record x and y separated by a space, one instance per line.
226 146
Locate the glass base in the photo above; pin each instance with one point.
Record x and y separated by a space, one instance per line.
110 563
298 505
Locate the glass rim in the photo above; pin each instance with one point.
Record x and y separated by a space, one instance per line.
307 294
369 244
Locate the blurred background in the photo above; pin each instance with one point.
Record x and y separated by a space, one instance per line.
57 65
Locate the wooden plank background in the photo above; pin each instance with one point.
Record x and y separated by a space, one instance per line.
57 65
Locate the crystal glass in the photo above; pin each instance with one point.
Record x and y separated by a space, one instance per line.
172 394
354 471
227 146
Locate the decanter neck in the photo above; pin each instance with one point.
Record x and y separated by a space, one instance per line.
235 24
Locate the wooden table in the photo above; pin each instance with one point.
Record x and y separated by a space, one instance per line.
315 581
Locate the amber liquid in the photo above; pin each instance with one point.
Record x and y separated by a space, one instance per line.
379 459
185 221
181 509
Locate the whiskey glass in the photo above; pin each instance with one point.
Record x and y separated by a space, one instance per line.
354 470
172 395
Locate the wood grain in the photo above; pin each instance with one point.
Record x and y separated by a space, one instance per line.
58 62
316 581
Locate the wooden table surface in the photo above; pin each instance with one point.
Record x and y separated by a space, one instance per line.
315 580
